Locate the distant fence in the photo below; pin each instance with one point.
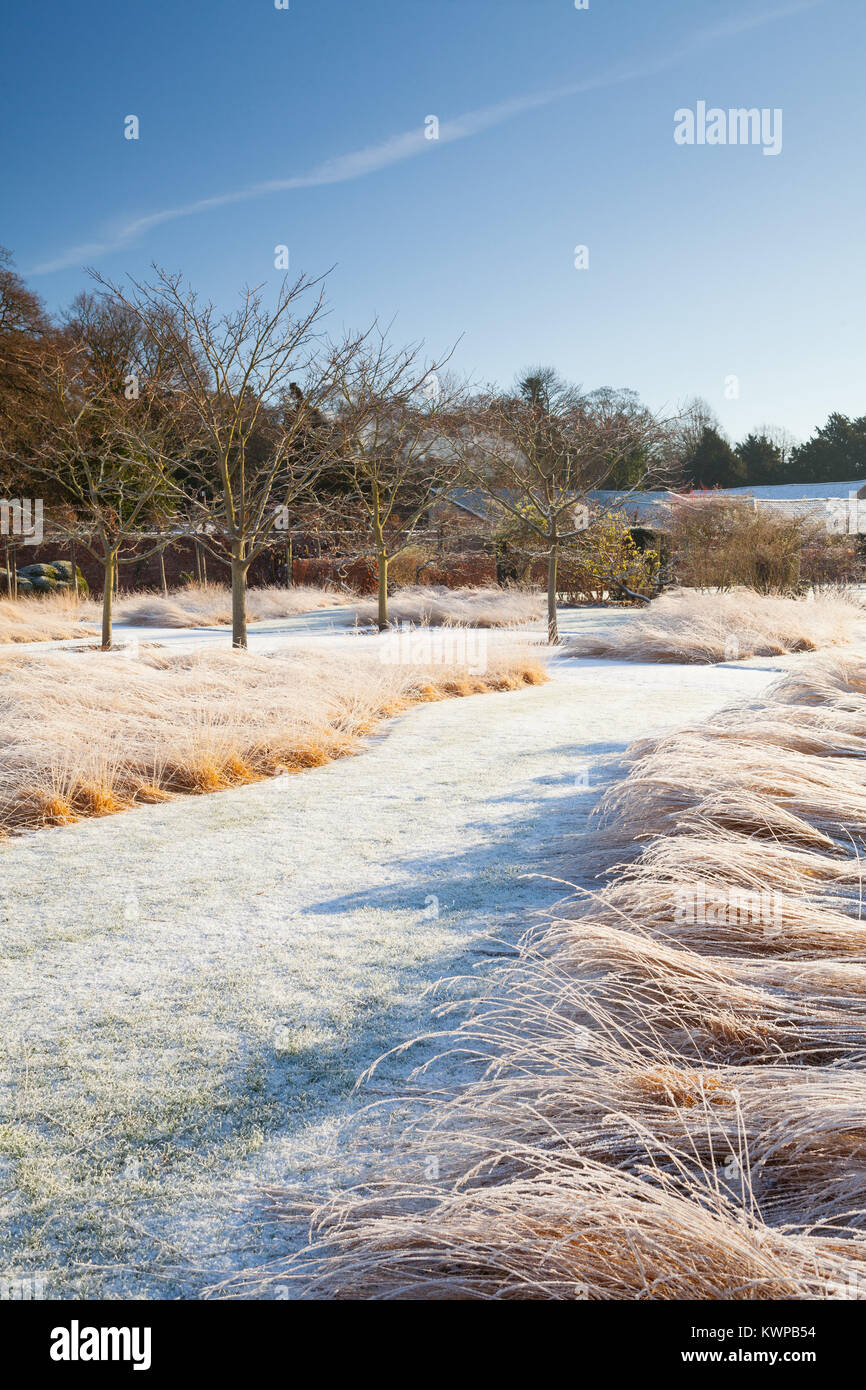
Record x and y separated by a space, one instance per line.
838 515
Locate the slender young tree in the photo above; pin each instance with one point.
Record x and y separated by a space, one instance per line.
109 453
392 417
236 371
541 450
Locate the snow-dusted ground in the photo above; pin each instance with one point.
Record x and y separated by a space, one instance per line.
263 636
190 990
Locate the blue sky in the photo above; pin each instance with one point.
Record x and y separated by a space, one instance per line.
556 129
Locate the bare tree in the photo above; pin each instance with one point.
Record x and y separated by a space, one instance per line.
694 416
541 450
236 375
25 333
781 439
392 419
108 452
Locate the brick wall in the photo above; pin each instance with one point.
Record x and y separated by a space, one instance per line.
269 568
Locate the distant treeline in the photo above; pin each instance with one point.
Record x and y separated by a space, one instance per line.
836 452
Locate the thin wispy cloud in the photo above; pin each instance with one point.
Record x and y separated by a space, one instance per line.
411 144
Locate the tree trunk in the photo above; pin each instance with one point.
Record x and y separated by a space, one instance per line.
73 559
290 564
240 566
200 572
552 566
162 577
8 573
382 554
383 591
107 601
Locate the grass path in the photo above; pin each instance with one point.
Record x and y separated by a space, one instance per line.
190 990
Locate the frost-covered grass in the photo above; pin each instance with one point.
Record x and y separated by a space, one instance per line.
59 616
475 607
88 733
692 626
48 618
191 992
210 605
672 1102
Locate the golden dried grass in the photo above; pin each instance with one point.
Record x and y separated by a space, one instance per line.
694 626
58 616
210 605
438 606
655 1107
52 618
89 733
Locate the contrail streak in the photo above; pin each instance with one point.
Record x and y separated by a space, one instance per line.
412 143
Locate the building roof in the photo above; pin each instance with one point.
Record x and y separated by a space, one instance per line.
827 502
824 502
799 492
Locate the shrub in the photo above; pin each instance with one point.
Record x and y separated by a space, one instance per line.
45 578
37 571
406 565
831 562
608 562
721 543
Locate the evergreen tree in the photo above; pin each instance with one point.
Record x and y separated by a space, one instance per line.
713 462
835 453
762 460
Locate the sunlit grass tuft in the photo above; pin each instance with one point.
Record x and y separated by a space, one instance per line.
658 1104
90 733
691 626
